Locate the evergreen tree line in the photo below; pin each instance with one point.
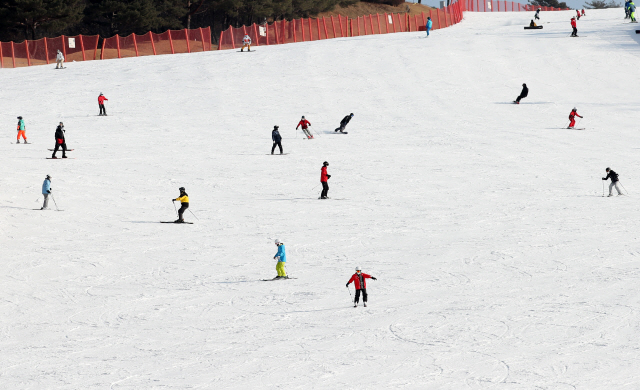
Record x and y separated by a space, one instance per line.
35 19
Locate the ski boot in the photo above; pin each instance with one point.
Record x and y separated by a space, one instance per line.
365 304
63 156
54 157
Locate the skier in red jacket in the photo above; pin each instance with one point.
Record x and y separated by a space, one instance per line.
575 28
572 117
578 13
324 177
360 282
101 99
305 124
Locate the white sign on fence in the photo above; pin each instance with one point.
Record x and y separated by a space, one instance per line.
489 4
263 31
72 43
390 19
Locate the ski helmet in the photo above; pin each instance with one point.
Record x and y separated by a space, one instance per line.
303 117
181 189
351 114
19 117
48 177
100 93
607 170
326 164
574 109
61 124
277 241
358 269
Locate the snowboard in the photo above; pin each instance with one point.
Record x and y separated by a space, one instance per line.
342 132
68 150
274 154
60 158
177 223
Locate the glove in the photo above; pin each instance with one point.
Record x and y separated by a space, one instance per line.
373 278
328 176
48 192
173 200
604 178
347 285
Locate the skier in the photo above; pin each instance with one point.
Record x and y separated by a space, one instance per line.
344 122
282 259
578 14
184 205
360 283
246 42
60 141
524 93
103 110
583 14
632 12
46 191
305 124
21 130
572 117
537 14
324 177
575 28
59 60
614 181
626 9
277 139
429 25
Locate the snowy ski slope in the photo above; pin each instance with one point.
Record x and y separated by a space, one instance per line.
499 263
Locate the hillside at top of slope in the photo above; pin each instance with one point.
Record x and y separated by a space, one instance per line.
362 8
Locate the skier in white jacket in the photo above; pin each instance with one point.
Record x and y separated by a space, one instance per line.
246 42
59 60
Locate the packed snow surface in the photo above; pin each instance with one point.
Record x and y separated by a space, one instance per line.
499 263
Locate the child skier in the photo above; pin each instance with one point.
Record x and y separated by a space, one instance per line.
344 122
305 125
59 60
101 100
583 14
632 12
46 191
184 205
281 256
324 177
575 27
277 139
360 283
21 131
429 25
60 141
614 181
246 42
572 118
524 93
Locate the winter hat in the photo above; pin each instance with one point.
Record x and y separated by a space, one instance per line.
574 109
326 164
351 114
358 269
277 242
303 117
49 177
100 93
276 127
181 189
19 117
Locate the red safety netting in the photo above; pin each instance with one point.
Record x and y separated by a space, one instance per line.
145 44
109 48
127 46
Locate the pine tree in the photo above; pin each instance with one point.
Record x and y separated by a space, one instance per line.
548 3
35 18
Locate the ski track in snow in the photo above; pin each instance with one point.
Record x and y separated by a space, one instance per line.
499 263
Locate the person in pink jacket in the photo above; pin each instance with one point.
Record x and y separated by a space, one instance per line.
360 282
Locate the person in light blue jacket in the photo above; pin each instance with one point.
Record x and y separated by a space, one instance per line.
429 25
282 259
46 191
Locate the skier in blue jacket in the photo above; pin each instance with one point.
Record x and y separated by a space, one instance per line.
429 25
282 259
46 191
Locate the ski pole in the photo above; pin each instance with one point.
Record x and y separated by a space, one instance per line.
54 201
625 190
350 293
603 188
315 187
174 206
193 214
314 130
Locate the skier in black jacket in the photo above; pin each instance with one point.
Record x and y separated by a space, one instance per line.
614 181
344 122
60 142
276 138
523 94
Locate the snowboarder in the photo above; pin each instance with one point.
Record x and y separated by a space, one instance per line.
429 25
360 283
324 177
59 60
524 93
46 191
532 24
575 27
246 42
101 100
276 138
21 131
305 127
184 205
537 14
632 12
281 256
60 141
344 122
572 118
614 181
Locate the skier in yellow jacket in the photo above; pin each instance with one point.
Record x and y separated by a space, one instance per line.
184 204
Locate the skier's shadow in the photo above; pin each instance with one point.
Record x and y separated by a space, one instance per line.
18 208
521 103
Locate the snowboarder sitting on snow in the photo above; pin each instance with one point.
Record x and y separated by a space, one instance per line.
60 142
575 27
246 42
305 124
429 25
46 191
360 283
101 99
532 24
537 14
59 60
277 139
184 205
281 256
614 181
344 122
324 177
524 93
21 130
572 118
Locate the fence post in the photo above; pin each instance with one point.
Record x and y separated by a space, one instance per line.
439 21
326 33
153 45
26 46
302 29
275 29
2 59
135 44
102 50
293 28
95 50
81 47
46 51
255 32
13 55
64 47
171 43
118 45
219 41
371 23
186 36
379 28
202 37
